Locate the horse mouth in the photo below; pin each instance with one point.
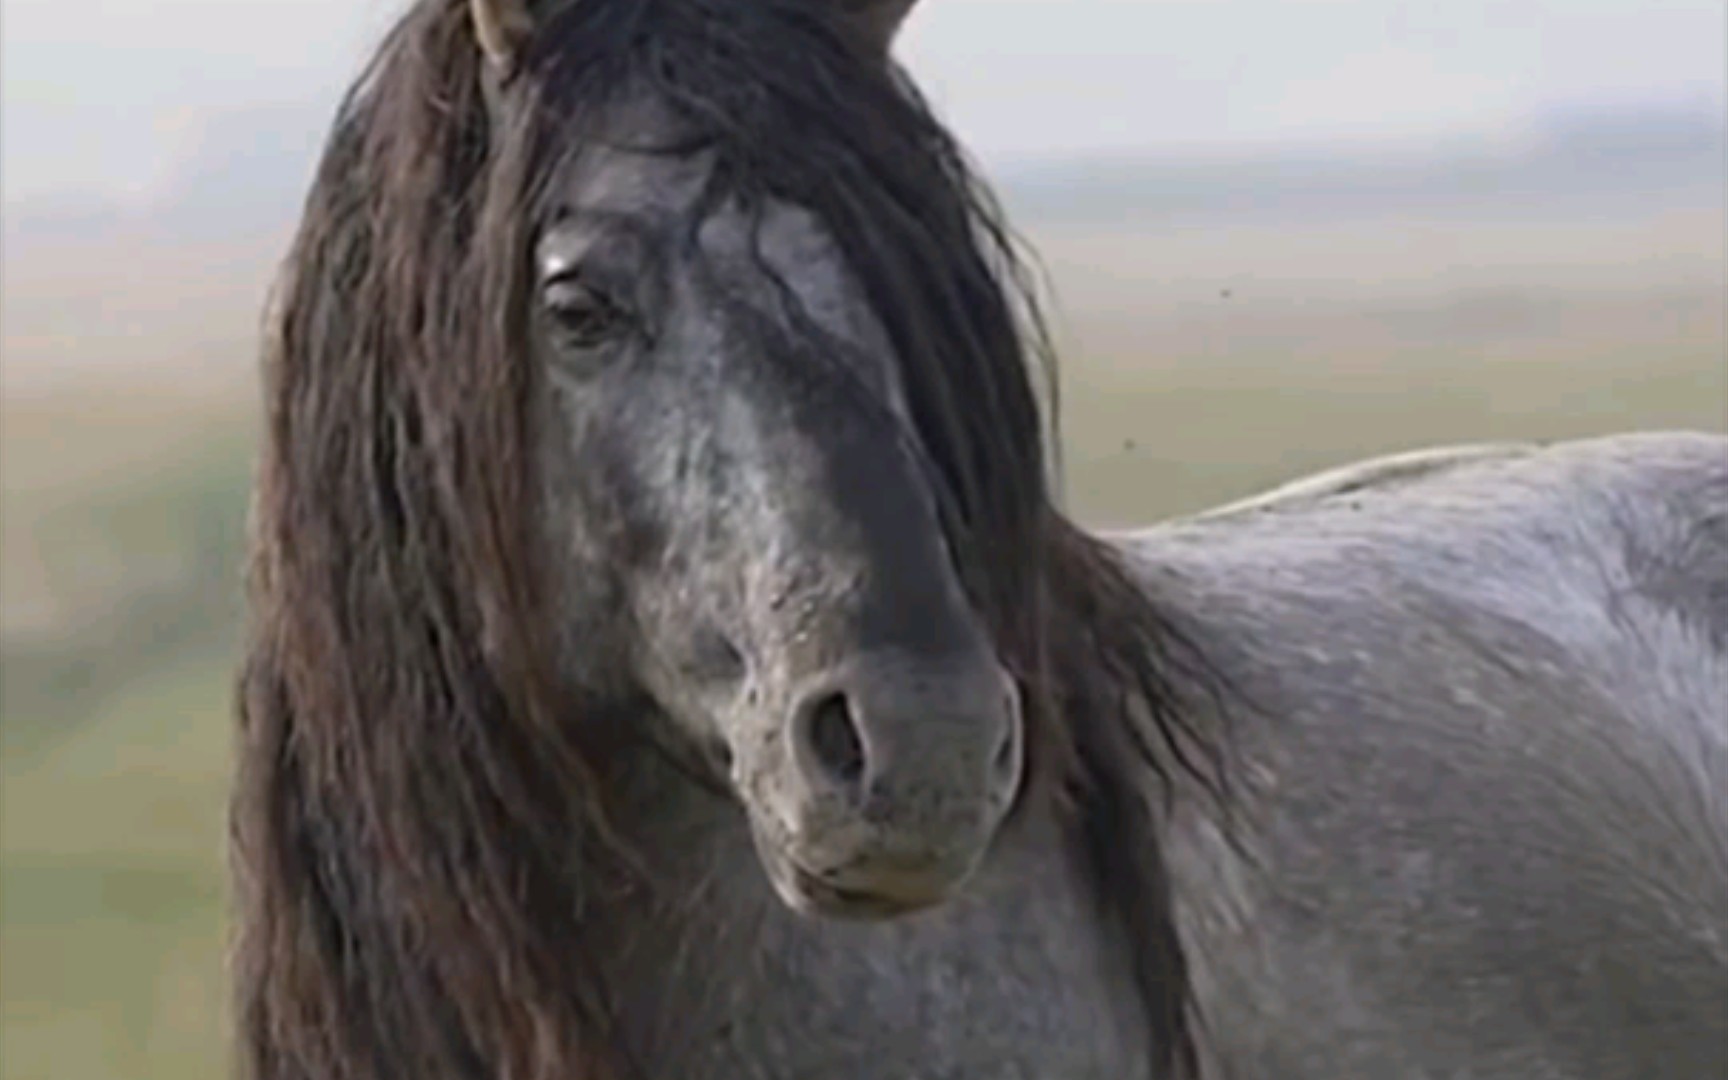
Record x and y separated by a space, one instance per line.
838 901
887 896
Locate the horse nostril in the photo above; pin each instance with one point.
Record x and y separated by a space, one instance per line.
720 753
831 733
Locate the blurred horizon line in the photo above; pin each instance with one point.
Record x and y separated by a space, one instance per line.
291 133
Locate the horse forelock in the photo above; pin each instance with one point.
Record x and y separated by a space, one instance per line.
418 818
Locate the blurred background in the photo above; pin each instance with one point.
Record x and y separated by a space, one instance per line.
1280 236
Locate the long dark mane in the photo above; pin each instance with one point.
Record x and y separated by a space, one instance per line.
417 823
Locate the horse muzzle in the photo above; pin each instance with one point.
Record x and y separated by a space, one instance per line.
882 791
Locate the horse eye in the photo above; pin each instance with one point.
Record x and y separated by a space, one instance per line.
585 316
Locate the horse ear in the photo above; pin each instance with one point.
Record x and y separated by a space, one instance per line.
501 27
878 21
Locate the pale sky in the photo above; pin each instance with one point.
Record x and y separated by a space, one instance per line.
97 95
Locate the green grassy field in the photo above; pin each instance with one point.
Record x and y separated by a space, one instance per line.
123 520
119 575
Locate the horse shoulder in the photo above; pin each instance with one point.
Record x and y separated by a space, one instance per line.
1484 756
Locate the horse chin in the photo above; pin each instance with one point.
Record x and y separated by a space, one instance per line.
808 894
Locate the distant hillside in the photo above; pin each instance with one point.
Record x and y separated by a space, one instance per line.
172 287
1664 156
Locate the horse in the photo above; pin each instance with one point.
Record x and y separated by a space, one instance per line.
668 657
